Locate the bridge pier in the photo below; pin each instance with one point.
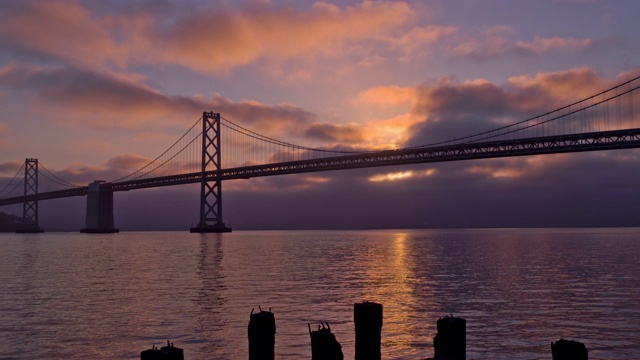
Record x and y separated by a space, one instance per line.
99 218
211 191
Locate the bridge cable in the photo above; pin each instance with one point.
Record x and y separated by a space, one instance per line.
159 156
15 187
54 181
162 164
64 182
10 181
257 136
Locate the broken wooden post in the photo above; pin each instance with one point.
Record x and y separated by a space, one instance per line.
450 342
262 332
324 345
168 352
368 319
568 350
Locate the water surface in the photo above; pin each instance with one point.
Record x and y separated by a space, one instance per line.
80 296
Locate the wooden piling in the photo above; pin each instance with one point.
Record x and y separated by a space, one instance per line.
368 319
450 342
568 350
261 332
324 345
168 352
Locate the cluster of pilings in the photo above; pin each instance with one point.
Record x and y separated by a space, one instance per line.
450 342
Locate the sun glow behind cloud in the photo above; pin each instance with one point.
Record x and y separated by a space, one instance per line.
401 175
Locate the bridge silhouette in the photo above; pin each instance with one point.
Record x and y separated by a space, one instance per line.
215 149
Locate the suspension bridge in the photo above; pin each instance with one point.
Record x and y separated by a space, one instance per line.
215 149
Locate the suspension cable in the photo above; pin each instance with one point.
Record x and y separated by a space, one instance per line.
15 187
53 180
257 136
10 181
65 183
159 156
166 161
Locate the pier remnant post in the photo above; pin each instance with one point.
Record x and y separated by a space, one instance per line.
168 352
368 319
568 350
324 345
262 332
450 342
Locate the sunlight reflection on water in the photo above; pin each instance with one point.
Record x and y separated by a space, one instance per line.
78 296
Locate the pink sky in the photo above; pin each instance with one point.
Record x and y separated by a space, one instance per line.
93 89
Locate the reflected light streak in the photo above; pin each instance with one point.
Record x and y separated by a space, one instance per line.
392 283
399 307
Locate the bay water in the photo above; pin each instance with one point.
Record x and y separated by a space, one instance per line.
81 296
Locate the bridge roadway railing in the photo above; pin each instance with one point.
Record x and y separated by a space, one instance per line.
604 140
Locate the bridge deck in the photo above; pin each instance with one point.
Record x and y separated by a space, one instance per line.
595 141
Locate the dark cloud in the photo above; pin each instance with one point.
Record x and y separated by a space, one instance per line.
10 167
108 100
335 133
456 109
127 162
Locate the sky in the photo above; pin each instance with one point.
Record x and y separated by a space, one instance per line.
96 89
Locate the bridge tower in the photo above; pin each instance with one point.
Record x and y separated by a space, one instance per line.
211 190
29 205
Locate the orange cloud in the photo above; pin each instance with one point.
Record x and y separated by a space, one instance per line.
214 39
391 95
247 35
554 89
390 133
40 26
127 162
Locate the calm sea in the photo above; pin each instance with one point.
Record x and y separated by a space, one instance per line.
75 296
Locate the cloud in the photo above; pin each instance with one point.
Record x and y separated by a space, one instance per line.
36 27
497 42
127 162
213 39
391 95
336 133
100 99
10 167
541 45
419 39
451 108
111 100
492 43
249 34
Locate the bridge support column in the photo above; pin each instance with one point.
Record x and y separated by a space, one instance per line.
99 210
211 191
30 207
